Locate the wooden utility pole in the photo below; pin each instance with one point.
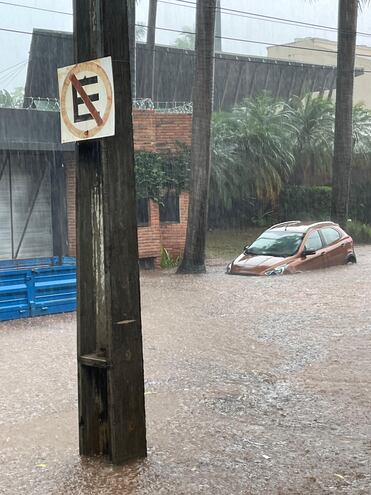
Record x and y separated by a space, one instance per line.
110 357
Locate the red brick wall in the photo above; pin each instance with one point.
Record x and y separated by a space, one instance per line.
149 238
173 234
144 127
153 131
168 133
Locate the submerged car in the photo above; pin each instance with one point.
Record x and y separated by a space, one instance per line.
291 247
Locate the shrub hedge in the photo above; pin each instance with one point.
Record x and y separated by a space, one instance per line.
306 203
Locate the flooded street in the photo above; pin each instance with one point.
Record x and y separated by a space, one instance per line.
254 385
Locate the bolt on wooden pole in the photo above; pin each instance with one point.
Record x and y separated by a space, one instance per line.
110 356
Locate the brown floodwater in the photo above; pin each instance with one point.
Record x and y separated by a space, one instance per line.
253 386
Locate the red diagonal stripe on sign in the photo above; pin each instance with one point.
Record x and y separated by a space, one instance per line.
85 98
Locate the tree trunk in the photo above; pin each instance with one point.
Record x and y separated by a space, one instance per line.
132 47
342 162
194 255
151 53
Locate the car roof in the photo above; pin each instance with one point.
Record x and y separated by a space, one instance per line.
299 226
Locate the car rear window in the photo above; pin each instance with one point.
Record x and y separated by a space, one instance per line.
330 235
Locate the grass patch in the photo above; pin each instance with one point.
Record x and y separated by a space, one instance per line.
167 260
228 244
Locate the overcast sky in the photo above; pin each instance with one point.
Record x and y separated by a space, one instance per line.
14 47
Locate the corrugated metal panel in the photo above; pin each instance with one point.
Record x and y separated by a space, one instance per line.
31 207
5 224
25 205
37 287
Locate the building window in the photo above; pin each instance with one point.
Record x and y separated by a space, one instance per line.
142 212
169 209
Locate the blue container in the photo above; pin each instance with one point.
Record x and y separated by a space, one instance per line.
37 287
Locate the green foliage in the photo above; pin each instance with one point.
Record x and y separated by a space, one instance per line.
6 99
313 119
359 231
149 175
263 145
186 40
157 173
228 243
168 261
11 99
314 203
305 203
252 154
361 135
140 31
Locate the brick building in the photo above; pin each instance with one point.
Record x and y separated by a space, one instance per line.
157 227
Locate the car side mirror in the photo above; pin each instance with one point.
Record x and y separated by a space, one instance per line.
245 249
308 252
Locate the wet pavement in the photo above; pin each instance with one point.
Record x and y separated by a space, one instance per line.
253 386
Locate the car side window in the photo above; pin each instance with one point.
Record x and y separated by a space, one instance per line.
314 242
330 235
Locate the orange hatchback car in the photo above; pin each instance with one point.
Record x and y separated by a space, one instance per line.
296 246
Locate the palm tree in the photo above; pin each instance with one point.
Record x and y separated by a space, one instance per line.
343 145
361 135
252 152
313 119
203 86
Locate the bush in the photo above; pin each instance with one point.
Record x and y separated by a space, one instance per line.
156 173
305 203
360 232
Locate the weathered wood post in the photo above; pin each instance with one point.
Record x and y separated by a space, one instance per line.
110 357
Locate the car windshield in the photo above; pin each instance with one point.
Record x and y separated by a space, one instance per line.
276 244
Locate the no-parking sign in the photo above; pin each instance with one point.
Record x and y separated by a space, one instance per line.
87 100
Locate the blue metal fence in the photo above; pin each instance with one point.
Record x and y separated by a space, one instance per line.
37 287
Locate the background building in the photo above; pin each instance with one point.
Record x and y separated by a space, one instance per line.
323 51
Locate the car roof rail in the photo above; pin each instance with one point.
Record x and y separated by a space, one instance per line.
324 222
285 224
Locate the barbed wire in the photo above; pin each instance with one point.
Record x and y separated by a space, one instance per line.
52 104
